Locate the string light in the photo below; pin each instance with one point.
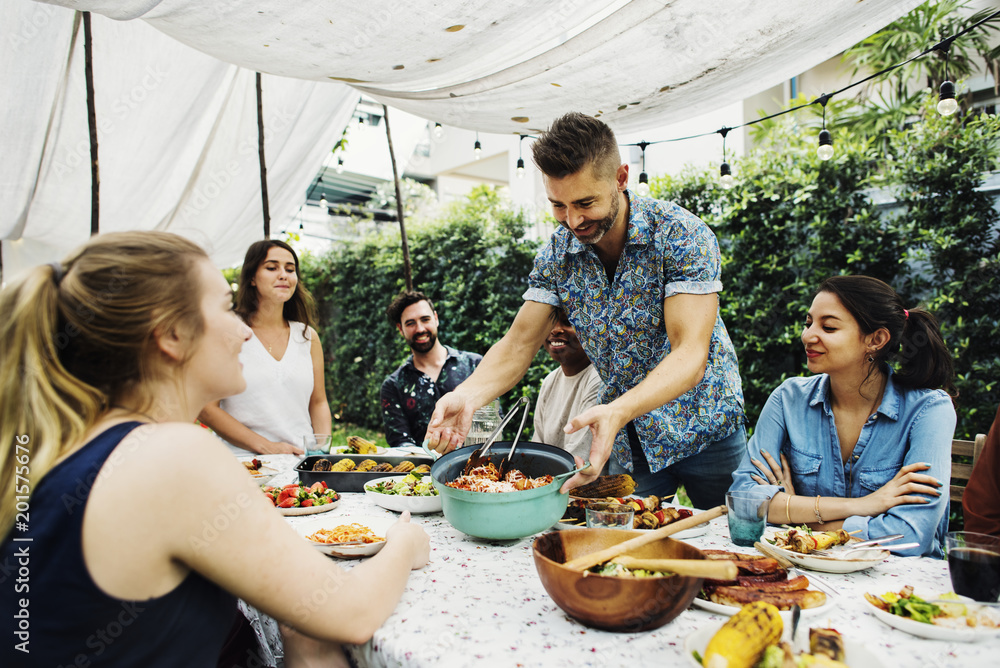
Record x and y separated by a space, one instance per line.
478 148
725 171
643 188
340 166
520 160
438 131
947 104
825 149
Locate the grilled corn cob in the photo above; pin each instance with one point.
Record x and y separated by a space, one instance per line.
344 465
361 446
422 469
607 485
366 465
742 640
384 466
403 467
322 465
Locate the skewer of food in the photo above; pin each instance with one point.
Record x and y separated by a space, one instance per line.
805 541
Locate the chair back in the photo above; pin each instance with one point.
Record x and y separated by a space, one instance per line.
961 470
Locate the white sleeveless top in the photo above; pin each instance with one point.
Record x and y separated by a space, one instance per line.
276 401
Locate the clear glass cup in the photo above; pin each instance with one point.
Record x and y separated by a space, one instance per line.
484 421
317 444
747 514
609 516
974 564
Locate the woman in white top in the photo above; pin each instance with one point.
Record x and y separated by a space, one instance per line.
285 398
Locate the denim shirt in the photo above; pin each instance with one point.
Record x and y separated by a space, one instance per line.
620 324
909 426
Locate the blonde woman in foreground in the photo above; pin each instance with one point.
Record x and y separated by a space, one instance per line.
138 528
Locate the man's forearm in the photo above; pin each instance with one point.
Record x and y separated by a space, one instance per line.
676 373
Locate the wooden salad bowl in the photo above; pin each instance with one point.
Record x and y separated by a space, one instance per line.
624 605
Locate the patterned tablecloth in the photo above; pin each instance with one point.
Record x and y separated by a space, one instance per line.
481 603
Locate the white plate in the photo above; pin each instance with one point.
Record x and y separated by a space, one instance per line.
399 503
308 510
379 525
828 564
933 631
857 655
268 469
347 450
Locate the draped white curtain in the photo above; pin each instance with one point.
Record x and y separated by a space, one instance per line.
176 106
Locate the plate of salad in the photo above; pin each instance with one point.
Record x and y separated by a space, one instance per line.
298 499
961 621
413 492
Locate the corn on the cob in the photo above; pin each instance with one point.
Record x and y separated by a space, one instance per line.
383 467
322 465
422 469
403 467
606 485
742 640
344 465
366 465
361 446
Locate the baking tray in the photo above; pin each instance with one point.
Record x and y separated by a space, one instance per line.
350 481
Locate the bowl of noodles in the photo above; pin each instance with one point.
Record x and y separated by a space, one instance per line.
488 508
346 537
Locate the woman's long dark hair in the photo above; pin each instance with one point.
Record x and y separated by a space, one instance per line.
300 308
915 346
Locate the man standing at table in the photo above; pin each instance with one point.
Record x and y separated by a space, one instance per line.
638 279
408 393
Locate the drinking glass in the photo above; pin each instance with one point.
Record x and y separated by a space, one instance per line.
317 444
974 564
484 421
747 514
609 516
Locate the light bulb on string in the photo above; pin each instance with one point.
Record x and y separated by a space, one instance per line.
947 105
725 171
477 149
322 201
642 189
438 131
340 166
520 160
726 176
825 149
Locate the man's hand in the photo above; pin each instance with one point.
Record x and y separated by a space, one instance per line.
450 422
604 424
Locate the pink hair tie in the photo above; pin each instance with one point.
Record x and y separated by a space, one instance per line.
906 314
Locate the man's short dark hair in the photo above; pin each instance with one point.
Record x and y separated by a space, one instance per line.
574 141
404 299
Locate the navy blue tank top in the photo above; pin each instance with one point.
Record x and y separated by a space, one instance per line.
52 608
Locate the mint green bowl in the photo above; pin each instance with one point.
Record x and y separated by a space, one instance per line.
506 515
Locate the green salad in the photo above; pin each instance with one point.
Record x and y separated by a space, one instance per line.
413 484
617 570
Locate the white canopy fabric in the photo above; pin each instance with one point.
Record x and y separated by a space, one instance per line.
177 123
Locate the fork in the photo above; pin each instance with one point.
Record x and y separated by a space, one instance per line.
842 554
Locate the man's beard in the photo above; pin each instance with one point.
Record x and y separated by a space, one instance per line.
605 223
424 346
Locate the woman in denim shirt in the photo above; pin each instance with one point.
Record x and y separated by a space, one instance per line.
862 446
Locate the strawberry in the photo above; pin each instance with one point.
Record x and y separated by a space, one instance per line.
285 494
317 488
307 503
287 503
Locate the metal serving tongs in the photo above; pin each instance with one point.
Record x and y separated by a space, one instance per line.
523 402
479 457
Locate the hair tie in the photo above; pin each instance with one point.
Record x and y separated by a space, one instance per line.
906 314
57 272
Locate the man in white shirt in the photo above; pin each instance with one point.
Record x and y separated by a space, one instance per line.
566 391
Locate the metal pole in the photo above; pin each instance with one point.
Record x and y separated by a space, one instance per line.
407 273
263 164
95 171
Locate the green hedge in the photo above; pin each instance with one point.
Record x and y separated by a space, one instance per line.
792 220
